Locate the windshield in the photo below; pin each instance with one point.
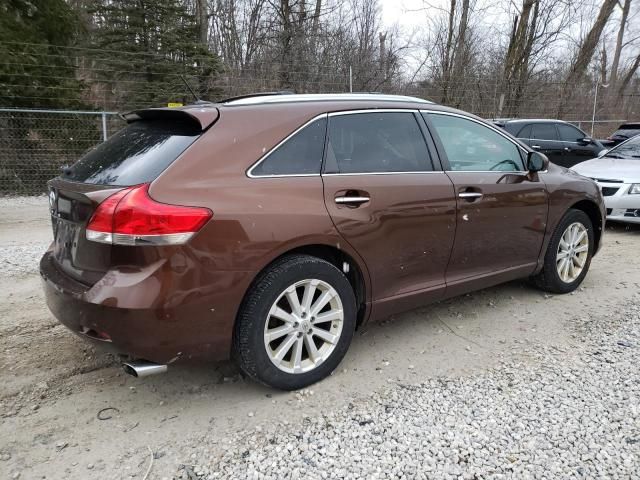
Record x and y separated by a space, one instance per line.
629 149
136 154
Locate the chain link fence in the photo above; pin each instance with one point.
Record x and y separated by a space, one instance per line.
35 144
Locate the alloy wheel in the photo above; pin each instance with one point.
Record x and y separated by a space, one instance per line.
573 251
303 326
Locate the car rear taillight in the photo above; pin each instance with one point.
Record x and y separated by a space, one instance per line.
132 217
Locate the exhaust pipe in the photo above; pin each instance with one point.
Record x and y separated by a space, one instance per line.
143 368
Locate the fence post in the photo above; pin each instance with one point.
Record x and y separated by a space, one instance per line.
104 127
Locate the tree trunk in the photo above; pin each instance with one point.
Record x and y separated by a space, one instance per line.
616 55
585 54
382 60
516 69
203 21
628 76
202 14
286 37
460 53
315 24
446 64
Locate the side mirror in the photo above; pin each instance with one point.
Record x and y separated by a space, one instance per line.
586 140
537 162
602 153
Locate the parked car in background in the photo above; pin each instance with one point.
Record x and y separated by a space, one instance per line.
624 132
618 173
267 228
564 144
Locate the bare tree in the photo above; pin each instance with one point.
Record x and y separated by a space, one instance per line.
585 52
619 41
628 76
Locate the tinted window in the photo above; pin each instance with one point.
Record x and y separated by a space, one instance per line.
301 154
471 146
525 132
569 133
136 154
376 142
544 131
627 132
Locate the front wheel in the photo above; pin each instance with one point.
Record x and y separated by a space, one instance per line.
296 323
568 255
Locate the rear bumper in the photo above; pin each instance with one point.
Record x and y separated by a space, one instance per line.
149 313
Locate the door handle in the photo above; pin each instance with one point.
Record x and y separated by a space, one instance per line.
347 200
469 195
537 147
567 149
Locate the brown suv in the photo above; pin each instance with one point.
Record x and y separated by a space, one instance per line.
268 228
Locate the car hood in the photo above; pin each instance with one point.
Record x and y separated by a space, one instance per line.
611 169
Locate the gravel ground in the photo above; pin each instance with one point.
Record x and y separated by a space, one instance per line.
559 413
17 260
19 257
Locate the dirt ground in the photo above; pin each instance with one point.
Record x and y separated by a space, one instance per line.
54 387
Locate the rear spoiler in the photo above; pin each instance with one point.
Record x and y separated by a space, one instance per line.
200 117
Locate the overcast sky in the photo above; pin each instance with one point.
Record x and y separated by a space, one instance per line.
396 11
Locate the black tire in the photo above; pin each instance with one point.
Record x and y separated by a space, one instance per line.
548 279
249 349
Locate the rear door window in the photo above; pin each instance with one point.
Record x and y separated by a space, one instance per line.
570 134
300 154
544 131
136 154
377 142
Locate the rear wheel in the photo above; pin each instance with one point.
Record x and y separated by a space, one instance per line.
568 255
296 323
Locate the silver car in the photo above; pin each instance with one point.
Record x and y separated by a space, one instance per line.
617 171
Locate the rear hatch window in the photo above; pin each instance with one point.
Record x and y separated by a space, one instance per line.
136 154
627 131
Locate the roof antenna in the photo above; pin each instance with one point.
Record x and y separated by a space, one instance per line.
198 100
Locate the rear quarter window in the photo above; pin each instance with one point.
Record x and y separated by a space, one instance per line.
525 132
300 154
136 154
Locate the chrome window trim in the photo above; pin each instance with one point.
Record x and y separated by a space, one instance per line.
373 110
378 173
490 127
268 154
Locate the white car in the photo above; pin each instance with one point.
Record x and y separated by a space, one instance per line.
617 171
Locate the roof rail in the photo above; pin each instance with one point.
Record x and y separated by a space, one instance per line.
259 94
318 97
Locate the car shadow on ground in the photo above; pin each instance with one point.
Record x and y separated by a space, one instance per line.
454 335
622 227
